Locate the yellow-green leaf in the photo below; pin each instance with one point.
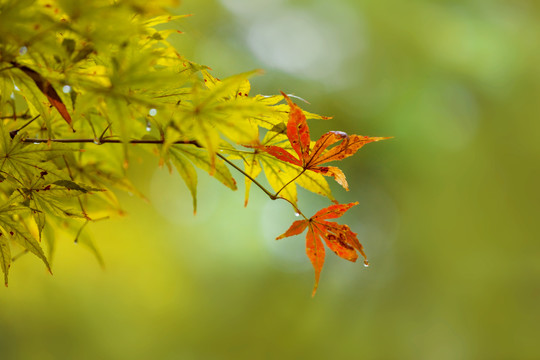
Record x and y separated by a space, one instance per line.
201 159
5 257
187 172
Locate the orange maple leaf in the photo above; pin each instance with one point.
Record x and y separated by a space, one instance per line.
311 158
339 238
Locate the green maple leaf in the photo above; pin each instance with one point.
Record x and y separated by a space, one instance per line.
217 111
20 161
45 198
95 171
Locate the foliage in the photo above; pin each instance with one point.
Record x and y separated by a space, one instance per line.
76 74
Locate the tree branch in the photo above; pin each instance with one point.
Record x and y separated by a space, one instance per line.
270 195
106 141
186 142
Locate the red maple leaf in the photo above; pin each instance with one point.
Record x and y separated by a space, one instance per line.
339 238
47 89
311 158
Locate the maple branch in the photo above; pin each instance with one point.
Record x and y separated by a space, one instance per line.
15 132
23 116
107 141
270 195
190 142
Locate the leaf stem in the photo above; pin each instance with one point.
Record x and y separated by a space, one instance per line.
294 206
16 257
85 214
287 184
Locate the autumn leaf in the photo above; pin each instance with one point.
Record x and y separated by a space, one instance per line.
310 158
339 238
47 89
282 176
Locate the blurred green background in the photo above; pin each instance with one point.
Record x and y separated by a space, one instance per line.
448 209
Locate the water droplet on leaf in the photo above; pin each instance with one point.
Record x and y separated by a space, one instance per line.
366 263
152 112
296 214
66 89
23 50
148 126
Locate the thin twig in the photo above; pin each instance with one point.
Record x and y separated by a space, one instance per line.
13 133
270 195
107 141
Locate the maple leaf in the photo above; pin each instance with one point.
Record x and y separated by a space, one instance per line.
310 158
21 162
277 114
218 110
181 153
339 238
47 89
12 228
50 198
91 169
282 176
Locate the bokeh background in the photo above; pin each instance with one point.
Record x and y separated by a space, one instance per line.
448 209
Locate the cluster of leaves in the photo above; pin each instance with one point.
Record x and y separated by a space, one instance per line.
75 74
